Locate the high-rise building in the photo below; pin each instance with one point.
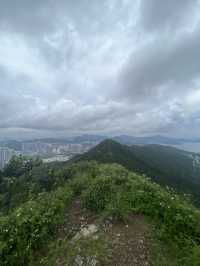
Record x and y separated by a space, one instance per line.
5 156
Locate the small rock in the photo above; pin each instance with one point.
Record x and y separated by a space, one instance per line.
86 232
95 237
141 241
91 229
142 256
77 236
78 261
92 262
110 219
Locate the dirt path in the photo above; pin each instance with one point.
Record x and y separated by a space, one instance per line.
125 244
130 243
76 218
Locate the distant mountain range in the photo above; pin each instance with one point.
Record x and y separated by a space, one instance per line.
165 165
130 140
123 139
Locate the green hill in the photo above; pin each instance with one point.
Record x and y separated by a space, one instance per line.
110 151
93 214
165 165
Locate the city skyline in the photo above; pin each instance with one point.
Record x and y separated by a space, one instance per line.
5 156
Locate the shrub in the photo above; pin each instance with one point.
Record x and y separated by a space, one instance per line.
195 258
99 194
116 193
30 226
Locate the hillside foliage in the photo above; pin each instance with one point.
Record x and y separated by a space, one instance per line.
27 225
165 165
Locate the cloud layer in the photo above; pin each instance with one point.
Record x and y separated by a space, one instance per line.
106 67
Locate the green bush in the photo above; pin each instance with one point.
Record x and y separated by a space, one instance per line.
110 190
99 194
195 258
116 193
119 207
30 226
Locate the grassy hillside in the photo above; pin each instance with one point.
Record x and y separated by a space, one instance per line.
96 213
165 165
179 167
110 151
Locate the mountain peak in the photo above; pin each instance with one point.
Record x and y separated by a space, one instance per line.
161 163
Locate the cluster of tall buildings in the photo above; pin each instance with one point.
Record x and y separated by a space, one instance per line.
41 148
31 148
5 156
47 151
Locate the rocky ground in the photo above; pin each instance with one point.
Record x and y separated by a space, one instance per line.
93 241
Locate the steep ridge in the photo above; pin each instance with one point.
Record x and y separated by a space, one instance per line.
91 214
110 151
165 165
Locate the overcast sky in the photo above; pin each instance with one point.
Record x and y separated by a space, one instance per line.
107 67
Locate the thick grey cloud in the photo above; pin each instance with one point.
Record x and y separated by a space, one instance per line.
164 65
30 17
169 14
99 66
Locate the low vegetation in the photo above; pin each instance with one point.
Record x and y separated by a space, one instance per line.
31 226
28 229
165 165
